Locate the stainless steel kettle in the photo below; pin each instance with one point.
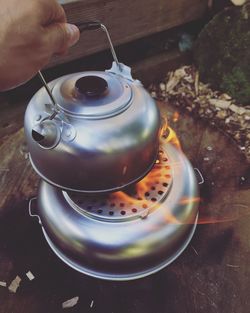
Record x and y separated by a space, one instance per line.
93 131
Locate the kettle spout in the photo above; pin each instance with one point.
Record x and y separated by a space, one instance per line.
37 136
47 134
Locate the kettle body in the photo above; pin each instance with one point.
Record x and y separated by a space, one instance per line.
103 137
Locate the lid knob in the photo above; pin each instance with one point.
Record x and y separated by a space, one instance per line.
91 86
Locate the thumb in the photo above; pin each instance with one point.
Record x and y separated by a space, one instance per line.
61 36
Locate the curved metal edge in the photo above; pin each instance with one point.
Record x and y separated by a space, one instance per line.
124 277
92 191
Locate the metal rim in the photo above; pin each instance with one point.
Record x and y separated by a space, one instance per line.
91 191
120 277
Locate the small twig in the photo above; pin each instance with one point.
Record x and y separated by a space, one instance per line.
194 250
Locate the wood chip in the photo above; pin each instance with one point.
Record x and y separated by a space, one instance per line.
174 79
30 275
196 84
14 284
3 284
162 87
222 104
237 109
70 303
225 96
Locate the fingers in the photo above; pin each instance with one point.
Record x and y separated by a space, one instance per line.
61 36
58 35
50 12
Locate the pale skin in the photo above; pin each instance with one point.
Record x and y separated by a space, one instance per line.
31 32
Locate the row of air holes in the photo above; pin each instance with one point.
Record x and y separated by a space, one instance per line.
144 206
111 213
134 210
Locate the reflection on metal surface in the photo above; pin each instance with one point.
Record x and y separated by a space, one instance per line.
123 236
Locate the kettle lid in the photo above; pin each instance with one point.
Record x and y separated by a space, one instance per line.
92 94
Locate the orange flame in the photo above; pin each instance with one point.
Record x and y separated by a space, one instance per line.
176 116
139 198
161 169
170 136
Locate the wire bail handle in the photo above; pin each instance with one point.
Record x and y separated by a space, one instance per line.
91 25
94 25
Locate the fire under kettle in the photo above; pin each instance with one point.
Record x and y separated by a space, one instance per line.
93 131
90 135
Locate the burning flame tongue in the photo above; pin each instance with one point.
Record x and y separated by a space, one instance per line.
138 195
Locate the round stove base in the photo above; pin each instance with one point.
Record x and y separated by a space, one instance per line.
128 234
118 277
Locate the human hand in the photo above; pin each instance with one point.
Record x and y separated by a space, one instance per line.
32 31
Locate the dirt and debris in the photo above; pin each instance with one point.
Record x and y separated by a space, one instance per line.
15 284
182 88
70 303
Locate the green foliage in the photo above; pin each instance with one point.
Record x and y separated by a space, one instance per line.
237 84
222 52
